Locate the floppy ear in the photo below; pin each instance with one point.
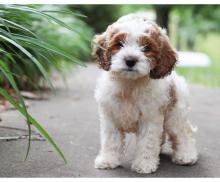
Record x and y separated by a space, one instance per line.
166 60
99 51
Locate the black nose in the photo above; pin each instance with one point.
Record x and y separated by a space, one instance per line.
130 62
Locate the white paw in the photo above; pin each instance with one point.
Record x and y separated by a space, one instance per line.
145 166
185 158
106 162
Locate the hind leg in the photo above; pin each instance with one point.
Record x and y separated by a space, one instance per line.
181 136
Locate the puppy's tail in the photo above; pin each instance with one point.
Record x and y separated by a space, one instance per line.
194 129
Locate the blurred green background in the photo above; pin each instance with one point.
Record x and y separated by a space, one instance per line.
190 28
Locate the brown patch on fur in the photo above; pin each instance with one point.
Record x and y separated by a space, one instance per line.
115 41
172 101
162 56
99 49
127 97
106 45
128 125
132 128
173 97
173 140
165 61
153 48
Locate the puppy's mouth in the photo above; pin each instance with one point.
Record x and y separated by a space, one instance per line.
129 70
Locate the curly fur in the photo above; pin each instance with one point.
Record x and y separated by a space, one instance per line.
148 99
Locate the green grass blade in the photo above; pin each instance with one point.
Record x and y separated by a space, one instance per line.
41 13
34 122
48 47
47 16
18 26
64 12
5 71
9 72
40 67
1 50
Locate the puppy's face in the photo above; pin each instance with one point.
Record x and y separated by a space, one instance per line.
133 49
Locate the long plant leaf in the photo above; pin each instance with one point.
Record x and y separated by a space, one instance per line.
16 25
34 122
10 78
40 67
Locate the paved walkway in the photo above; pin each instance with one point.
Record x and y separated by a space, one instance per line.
71 118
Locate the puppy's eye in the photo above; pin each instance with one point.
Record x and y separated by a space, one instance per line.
120 44
146 48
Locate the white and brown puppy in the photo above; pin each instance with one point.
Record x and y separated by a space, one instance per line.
139 93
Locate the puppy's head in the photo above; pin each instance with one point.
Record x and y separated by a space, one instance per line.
133 48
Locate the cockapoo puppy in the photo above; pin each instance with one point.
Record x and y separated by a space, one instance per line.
139 93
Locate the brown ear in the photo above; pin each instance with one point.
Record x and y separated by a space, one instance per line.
99 51
166 60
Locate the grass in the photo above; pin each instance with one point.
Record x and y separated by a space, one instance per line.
209 76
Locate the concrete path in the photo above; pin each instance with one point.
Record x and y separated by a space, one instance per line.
71 118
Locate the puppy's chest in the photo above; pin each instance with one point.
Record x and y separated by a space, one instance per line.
127 112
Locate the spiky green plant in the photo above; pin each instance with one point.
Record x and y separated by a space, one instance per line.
26 56
39 34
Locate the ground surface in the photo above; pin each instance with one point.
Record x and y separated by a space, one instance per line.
71 118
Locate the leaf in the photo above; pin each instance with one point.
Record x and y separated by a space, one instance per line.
18 26
30 56
20 45
33 121
48 47
64 12
11 80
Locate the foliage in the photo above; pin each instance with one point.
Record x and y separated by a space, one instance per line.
196 29
100 16
193 20
27 56
47 41
208 76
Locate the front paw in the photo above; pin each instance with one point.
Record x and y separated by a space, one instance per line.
145 166
185 158
106 162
